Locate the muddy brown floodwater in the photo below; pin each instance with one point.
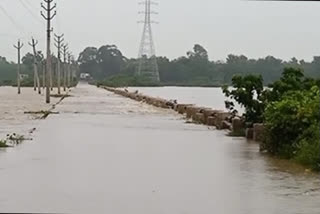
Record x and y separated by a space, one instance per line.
107 154
13 106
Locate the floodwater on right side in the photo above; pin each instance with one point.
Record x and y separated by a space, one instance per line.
291 183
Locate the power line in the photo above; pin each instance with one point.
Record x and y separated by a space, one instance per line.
30 11
4 11
8 35
29 2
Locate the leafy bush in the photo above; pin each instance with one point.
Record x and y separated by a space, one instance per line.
288 119
309 148
292 79
127 80
3 144
248 92
289 110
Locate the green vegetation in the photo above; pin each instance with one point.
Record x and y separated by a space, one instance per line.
126 81
289 108
8 71
107 65
248 92
293 126
3 144
12 140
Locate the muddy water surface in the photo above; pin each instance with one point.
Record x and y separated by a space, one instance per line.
108 154
204 97
13 106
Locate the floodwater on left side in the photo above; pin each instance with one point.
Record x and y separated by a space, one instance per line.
13 107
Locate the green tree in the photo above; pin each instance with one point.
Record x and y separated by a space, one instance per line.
8 73
290 123
88 62
248 92
110 60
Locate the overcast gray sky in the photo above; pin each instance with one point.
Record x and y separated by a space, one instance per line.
256 29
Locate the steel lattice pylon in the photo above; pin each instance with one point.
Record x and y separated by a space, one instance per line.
148 66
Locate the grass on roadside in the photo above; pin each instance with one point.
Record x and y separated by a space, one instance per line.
12 140
3 144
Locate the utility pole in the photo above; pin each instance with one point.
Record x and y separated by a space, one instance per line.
36 84
50 75
43 67
69 70
48 8
59 40
64 50
18 47
74 70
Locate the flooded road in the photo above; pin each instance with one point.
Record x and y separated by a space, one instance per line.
107 154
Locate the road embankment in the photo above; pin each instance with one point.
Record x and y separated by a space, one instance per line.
220 119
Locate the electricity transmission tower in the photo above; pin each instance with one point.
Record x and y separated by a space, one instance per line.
18 47
148 66
59 40
48 8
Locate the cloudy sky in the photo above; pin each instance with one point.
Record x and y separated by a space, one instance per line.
256 29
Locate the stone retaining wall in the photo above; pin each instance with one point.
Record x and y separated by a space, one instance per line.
200 115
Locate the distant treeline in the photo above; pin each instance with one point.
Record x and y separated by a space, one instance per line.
194 69
108 64
8 70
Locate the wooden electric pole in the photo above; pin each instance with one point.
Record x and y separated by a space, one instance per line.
69 70
43 67
48 8
18 47
73 69
59 40
36 84
65 49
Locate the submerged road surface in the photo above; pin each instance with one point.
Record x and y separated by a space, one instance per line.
108 154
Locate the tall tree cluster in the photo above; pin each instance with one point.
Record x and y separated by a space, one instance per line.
102 63
194 68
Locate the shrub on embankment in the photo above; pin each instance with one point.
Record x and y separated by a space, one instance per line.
289 109
130 80
293 127
127 81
